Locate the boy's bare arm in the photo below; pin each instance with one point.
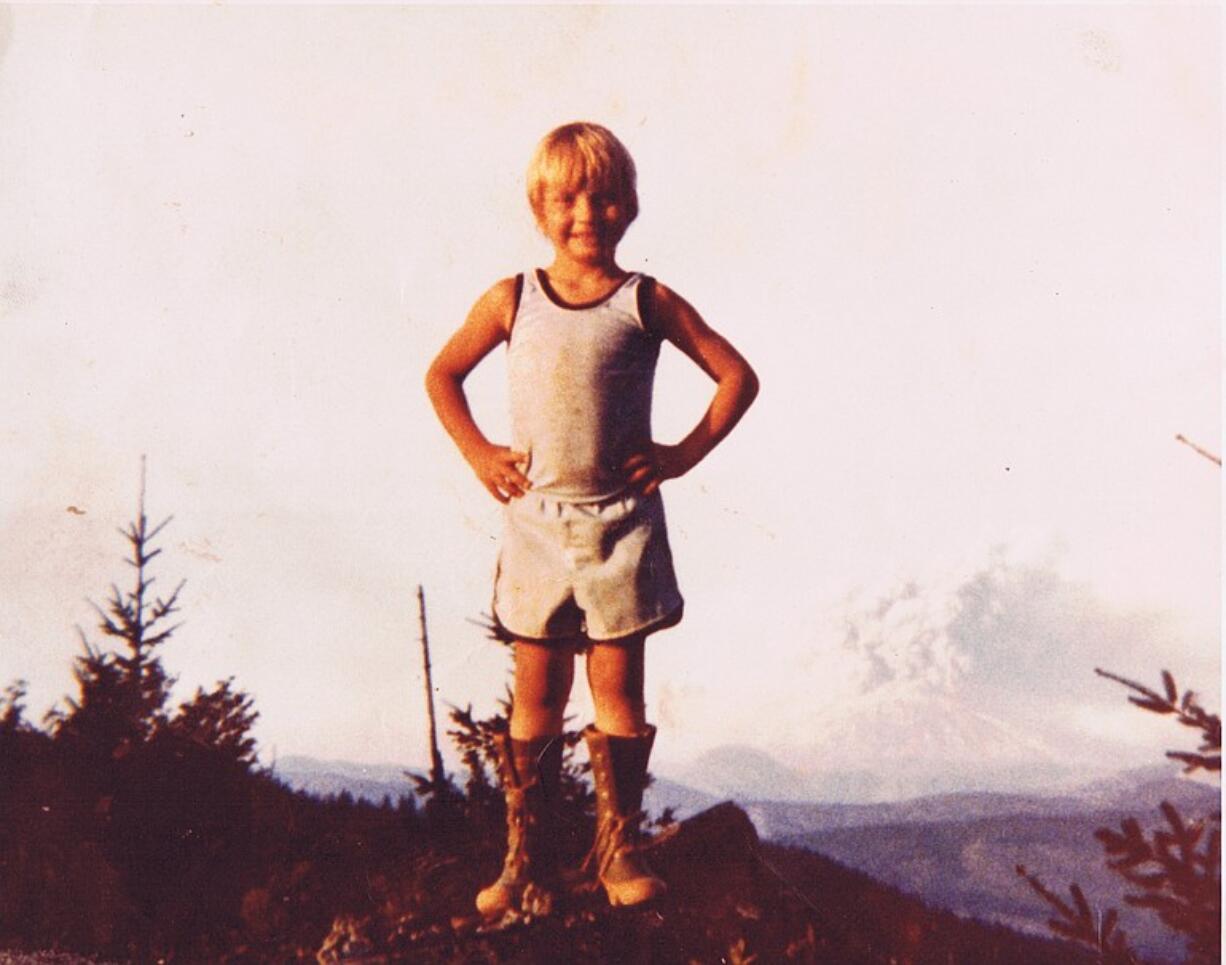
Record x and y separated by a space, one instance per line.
736 388
488 324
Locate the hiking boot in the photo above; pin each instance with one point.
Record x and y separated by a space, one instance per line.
619 769
529 772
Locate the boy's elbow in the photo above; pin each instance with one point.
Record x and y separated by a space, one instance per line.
436 379
739 381
749 385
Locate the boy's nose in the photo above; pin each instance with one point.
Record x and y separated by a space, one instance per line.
583 206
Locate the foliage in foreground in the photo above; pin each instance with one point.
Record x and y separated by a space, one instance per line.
1174 870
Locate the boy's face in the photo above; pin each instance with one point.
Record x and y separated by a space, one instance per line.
583 222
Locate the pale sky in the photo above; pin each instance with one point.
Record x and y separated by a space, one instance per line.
974 254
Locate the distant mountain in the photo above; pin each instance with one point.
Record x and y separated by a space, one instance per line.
904 743
901 743
685 801
374 782
780 802
958 852
1139 788
370 782
784 820
745 774
749 774
1146 787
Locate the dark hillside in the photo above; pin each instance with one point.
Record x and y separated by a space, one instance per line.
967 867
732 899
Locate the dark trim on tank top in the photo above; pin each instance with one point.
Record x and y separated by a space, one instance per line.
519 291
551 294
645 296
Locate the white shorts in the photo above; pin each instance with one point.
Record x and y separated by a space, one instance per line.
597 570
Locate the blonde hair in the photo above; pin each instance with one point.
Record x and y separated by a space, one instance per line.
583 154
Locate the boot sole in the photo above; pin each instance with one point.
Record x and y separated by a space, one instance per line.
617 901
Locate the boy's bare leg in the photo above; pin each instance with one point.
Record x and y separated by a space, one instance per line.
615 674
543 677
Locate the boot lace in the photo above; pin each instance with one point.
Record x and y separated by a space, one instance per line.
517 857
616 835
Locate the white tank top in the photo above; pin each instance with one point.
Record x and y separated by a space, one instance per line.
580 388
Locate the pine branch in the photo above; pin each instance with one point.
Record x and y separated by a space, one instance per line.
1175 870
160 637
1187 711
157 529
163 608
1195 762
1174 877
107 625
1081 925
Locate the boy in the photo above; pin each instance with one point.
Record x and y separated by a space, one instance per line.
584 565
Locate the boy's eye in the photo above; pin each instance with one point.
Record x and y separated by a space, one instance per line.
568 198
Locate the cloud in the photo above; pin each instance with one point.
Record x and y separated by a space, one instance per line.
902 636
1026 629
1006 628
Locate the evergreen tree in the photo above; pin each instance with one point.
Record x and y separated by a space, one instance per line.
123 692
220 721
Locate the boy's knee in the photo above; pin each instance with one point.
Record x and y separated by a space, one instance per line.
621 701
621 719
534 718
614 689
550 701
